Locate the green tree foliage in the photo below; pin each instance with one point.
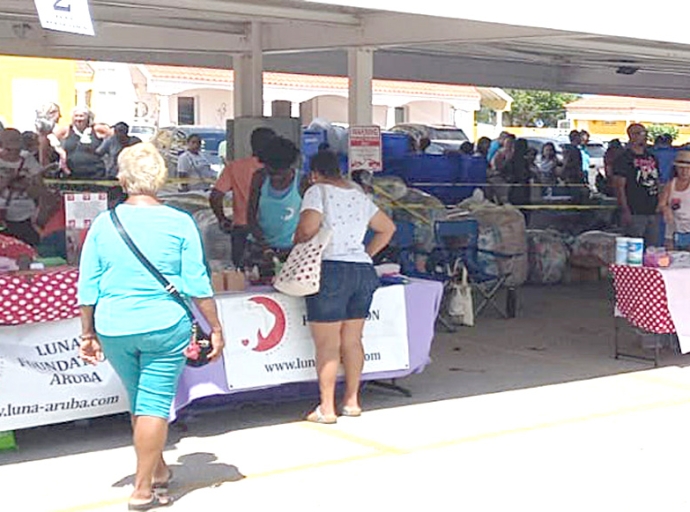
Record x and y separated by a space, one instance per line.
655 130
538 108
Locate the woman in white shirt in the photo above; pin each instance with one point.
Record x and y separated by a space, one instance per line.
336 314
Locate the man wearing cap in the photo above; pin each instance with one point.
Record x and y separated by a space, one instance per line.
20 183
674 202
636 175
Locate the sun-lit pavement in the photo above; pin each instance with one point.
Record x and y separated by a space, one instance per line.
530 414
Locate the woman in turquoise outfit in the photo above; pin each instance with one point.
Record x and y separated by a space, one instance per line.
128 317
274 203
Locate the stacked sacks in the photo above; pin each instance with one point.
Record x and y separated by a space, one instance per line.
548 256
593 249
501 230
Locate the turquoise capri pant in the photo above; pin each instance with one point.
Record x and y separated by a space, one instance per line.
149 365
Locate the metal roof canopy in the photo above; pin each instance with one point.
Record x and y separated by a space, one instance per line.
505 46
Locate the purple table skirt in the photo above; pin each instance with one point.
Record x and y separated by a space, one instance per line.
422 299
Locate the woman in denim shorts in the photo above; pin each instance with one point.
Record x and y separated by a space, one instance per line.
337 313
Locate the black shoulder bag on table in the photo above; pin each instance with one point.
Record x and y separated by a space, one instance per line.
200 343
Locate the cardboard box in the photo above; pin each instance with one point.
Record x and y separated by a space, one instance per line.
234 281
217 281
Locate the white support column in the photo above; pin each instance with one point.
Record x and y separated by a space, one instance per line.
390 117
248 83
164 110
360 67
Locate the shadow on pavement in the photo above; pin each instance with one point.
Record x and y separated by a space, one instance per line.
192 472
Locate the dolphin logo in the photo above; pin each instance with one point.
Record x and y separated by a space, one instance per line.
276 333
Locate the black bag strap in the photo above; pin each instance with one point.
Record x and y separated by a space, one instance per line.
169 287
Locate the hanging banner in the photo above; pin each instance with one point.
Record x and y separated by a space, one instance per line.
65 16
364 152
43 381
82 208
268 341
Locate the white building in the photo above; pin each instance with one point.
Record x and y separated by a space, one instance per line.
167 95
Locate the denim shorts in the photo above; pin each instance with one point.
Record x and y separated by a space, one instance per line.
346 292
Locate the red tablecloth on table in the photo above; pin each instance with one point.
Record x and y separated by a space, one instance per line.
641 298
38 297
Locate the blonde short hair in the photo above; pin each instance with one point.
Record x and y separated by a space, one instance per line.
141 169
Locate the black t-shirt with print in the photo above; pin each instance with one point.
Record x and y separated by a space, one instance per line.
641 173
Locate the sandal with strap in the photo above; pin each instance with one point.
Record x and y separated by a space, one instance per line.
162 487
316 416
156 502
351 412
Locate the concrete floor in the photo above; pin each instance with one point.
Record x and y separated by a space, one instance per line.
528 414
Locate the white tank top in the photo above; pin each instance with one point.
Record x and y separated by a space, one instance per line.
680 207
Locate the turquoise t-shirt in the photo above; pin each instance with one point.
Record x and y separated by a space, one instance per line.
278 213
128 299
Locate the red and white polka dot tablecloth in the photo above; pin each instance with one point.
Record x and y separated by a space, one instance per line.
38 297
641 298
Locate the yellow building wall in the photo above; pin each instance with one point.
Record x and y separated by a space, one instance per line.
59 74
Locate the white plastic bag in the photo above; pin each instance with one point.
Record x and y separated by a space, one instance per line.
460 305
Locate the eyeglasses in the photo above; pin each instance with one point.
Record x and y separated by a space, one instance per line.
639 132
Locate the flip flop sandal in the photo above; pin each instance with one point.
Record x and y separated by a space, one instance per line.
162 487
155 502
316 416
351 412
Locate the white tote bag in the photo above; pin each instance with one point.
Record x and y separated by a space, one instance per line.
301 274
460 304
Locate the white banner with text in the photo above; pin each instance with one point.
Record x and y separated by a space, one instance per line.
43 381
268 341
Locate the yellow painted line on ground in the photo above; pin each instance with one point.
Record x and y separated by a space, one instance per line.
551 424
384 450
182 491
332 431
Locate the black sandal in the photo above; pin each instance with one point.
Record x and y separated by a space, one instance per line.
162 487
155 502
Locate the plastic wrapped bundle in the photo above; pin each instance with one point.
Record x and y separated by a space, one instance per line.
337 136
422 210
190 202
393 187
548 257
216 243
594 249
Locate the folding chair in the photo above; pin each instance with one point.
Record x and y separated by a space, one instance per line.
459 239
401 249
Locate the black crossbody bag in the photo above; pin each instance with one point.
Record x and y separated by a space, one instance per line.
200 343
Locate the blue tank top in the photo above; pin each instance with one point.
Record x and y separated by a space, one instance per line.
279 213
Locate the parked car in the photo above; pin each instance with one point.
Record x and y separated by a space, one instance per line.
145 132
443 137
171 141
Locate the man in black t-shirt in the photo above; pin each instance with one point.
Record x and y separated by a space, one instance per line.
636 174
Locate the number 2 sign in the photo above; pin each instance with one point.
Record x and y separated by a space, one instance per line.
62 5
65 16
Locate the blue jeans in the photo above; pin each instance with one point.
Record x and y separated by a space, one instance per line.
346 292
